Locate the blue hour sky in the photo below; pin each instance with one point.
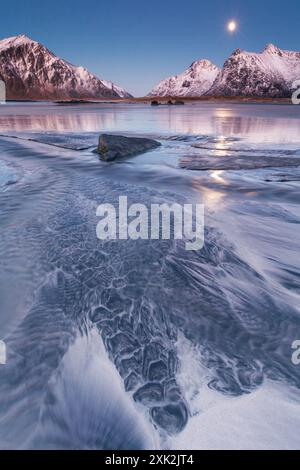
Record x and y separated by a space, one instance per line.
136 43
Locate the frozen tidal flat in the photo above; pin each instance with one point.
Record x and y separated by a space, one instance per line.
184 349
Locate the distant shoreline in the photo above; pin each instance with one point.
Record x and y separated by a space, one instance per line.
163 100
235 99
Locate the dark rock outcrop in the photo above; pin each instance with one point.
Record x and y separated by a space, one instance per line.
111 147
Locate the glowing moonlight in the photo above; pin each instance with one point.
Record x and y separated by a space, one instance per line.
231 26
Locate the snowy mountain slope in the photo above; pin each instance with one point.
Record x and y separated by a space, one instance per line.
31 71
115 88
269 73
195 81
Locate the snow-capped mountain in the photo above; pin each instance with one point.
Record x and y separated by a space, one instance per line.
195 81
31 71
269 73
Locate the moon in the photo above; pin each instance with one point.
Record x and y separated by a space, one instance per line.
232 26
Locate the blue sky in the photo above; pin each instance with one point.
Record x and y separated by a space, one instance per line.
136 43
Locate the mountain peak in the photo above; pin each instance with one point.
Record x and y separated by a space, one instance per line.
23 37
203 62
15 41
272 49
269 49
194 81
237 52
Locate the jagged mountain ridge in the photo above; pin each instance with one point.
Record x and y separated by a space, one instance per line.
196 80
270 73
30 71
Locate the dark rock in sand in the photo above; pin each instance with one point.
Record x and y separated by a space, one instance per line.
111 147
155 103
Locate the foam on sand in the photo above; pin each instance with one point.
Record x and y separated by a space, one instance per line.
267 418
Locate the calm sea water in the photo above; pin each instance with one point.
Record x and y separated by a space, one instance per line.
141 344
